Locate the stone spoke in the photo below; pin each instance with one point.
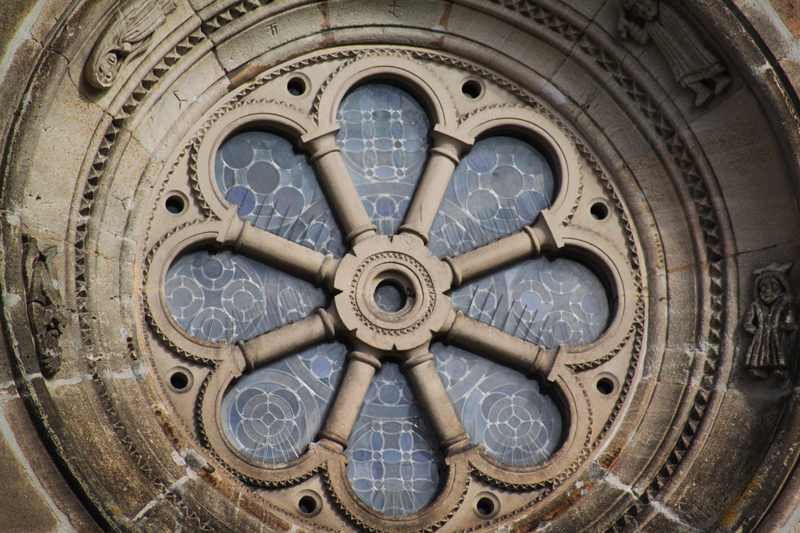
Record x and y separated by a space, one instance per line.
286 255
529 241
311 330
349 399
433 185
484 339
339 187
434 401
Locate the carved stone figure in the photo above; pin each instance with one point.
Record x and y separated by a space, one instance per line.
128 35
768 319
45 310
692 62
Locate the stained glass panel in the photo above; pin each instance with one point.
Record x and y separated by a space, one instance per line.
395 464
277 190
499 407
502 184
225 296
545 301
384 145
271 414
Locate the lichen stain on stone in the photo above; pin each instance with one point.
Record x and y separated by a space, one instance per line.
608 460
172 435
532 523
250 507
732 515
11 299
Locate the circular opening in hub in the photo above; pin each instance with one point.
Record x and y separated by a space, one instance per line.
390 297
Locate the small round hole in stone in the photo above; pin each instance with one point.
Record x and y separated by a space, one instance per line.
485 506
175 204
471 89
605 386
307 504
179 380
296 86
599 211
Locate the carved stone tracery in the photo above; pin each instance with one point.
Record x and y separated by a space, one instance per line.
541 235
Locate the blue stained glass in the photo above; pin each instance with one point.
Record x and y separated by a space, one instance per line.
226 296
501 185
395 464
499 407
276 190
384 145
271 414
548 302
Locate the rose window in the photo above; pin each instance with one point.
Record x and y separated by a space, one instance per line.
376 303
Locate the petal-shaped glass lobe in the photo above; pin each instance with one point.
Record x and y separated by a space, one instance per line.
276 190
499 407
220 295
271 414
501 185
546 301
384 145
395 465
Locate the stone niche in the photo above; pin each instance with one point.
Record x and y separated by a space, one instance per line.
400 266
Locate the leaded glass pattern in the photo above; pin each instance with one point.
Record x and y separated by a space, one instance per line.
271 414
395 464
384 145
276 190
501 185
499 407
545 301
220 295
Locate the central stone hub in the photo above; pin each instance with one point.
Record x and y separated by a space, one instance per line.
392 292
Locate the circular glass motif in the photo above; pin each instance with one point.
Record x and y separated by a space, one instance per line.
545 301
499 407
502 184
225 296
395 465
276 190
384 145
271 414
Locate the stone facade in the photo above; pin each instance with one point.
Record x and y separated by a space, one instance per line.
671 128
